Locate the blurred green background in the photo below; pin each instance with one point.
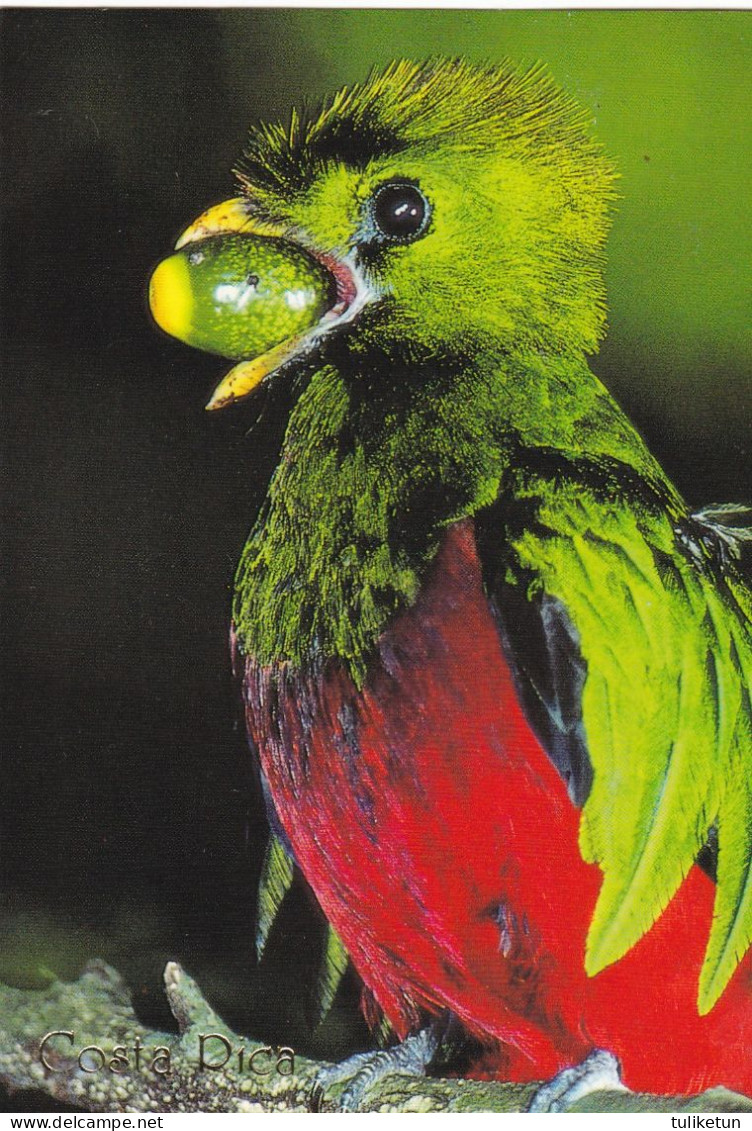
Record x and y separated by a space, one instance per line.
131 826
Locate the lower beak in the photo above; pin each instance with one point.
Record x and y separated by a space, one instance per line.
239 288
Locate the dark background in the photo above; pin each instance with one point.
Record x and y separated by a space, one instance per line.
130 824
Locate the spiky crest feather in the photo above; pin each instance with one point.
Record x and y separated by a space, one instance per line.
450 102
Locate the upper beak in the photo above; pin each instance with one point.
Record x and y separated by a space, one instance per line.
241 287
228 216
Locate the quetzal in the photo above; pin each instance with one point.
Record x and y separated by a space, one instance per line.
495 672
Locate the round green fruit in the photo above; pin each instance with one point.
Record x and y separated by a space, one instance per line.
239 295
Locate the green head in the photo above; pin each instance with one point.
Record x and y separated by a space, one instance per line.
471 201
458 209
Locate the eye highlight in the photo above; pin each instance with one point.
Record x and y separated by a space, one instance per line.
399 212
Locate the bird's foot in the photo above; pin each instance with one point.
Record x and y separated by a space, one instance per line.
365 1069
599 1072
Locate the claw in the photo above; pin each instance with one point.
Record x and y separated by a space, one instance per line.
599 1072
366 1069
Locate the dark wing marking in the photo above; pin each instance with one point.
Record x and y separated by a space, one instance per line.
707 857
543 650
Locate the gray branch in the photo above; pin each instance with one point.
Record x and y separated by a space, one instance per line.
144 1070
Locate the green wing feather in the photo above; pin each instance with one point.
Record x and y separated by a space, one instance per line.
667 639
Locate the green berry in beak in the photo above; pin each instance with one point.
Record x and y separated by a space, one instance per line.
239 295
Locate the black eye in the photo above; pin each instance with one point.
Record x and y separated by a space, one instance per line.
400 212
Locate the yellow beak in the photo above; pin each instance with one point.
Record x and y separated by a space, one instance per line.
229 216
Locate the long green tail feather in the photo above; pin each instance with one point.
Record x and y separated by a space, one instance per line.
333 966
275 882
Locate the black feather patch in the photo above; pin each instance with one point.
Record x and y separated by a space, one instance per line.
358 142
543 650
707 857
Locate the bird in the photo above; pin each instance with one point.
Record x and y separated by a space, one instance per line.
495 670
